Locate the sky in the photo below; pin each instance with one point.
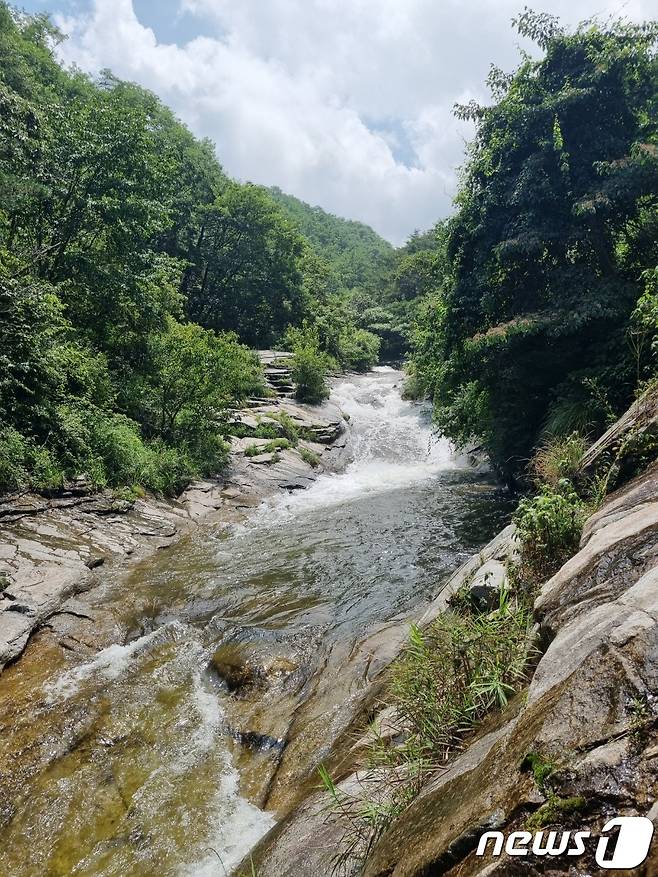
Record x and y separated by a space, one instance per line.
343 103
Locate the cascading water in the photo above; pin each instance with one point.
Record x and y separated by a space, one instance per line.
393 445
148 758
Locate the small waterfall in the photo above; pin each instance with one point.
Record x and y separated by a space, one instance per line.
393 446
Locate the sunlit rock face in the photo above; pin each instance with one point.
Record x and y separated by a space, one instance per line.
591 709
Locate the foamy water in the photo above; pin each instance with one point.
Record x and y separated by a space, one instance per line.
393 446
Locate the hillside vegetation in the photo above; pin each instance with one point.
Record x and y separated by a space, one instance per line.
536 327
377 286
135 276
544 318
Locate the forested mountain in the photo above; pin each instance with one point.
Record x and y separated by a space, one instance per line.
544 319
134 277
359 258
381 286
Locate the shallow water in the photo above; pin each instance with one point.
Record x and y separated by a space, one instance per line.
137 770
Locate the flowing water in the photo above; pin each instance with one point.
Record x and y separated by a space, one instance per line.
154 756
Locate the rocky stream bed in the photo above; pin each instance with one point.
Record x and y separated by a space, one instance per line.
185 666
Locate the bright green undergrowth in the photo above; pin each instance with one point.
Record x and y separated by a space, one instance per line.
278 444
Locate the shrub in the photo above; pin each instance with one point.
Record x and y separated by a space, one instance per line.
110 450
456 670
549 527
196 374
413 388
452 673
310 457
263 430
13 450
166 469
309 370
289 428
358 349
116 448
559 458
278 444
129 493
211 453
25 464
45 471
310 365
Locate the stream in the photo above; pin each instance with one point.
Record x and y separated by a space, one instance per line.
170 752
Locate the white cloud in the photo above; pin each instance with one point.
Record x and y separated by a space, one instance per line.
284 88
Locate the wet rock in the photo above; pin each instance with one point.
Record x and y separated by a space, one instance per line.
49 545
258 742
278 667
591 709
233 665
242 666
301 846
324 728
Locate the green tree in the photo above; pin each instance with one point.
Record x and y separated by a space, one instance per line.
196 374
544 261
244 274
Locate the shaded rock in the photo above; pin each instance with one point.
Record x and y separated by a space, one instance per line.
483 588
638 428
259 742
484 598
23 608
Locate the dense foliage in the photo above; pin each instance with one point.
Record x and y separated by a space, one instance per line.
359 259
135 276
527 335
359 281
